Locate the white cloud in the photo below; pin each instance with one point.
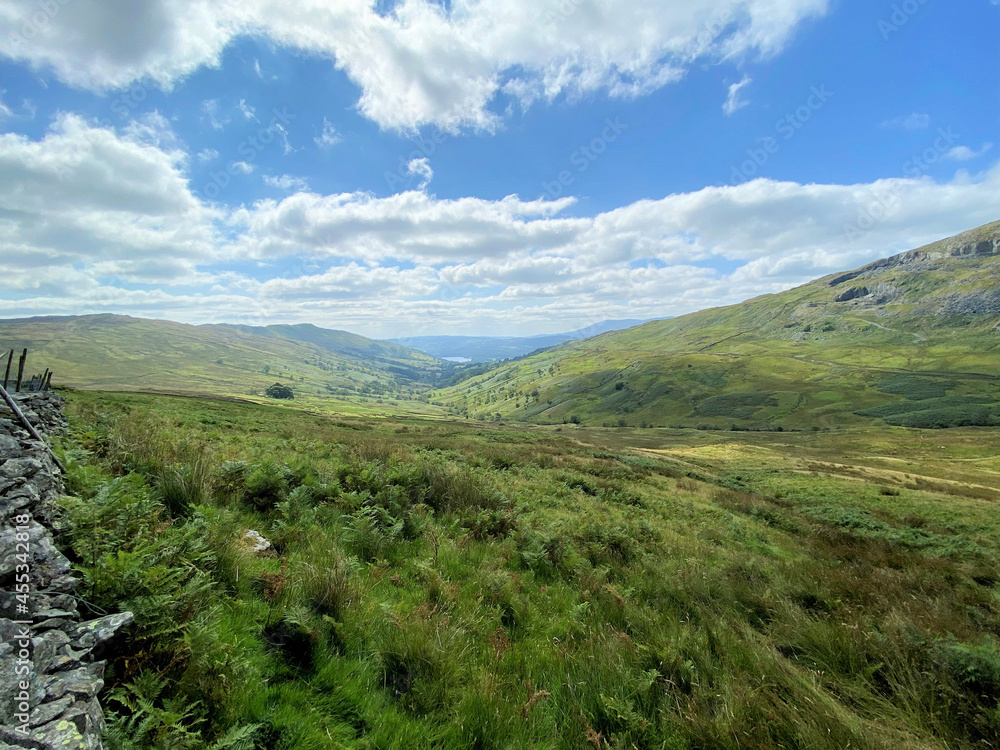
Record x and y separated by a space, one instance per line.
913 121
85 204
286 182
421 168
249 113
419 63
286 146
28 109
964 153
207 154
154 129
243 167
329 137
86 197
211 109
734 101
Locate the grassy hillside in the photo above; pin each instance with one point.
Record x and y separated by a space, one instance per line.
919 329
458 586
112 352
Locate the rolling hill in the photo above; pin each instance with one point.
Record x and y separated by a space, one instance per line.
479 349
912 339
113 352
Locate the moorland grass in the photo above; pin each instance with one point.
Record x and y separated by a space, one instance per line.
436 585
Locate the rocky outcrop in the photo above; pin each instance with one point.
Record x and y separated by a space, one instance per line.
878 294
856 292
49 675
985 302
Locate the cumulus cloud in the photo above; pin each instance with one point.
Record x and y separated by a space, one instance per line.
735 101
93 218
421 62
84 195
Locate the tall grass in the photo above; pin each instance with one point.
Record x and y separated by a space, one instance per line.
444 587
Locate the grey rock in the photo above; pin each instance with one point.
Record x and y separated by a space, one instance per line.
46 712
10 447
20 467
46 649
62 733
90 634
256 542
12 688
83 682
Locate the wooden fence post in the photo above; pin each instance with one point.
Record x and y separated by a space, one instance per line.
6 375
20 371
48 382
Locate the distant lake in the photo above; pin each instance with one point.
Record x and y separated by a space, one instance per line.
459 360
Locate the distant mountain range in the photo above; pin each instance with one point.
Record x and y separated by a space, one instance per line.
913 339
479 349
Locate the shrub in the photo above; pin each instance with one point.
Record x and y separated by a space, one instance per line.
279 391
938 413
738 405
915 387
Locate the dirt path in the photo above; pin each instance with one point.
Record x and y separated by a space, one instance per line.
917 337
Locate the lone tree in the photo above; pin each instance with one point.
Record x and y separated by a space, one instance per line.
279 391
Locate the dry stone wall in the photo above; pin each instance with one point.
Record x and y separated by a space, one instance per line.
50 675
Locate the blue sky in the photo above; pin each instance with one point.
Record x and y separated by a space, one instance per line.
509 167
